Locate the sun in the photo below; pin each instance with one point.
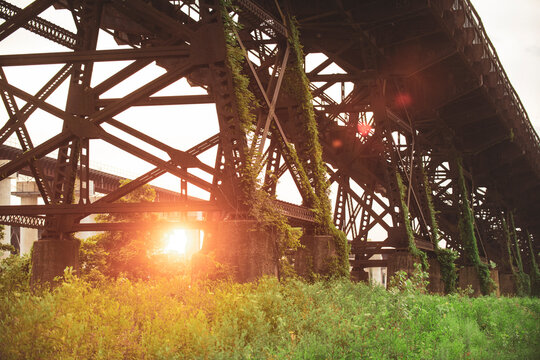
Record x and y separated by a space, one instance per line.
176 242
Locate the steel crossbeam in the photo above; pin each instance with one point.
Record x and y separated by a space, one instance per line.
394 114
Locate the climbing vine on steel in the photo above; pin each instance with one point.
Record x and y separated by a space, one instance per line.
446 257
258 202
523 282
296 85
419 254
466 233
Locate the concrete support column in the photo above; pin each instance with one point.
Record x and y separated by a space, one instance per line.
507 284
315 256
469 276
436 285
401 260
5 199
28 235
241 250
29 194
51 256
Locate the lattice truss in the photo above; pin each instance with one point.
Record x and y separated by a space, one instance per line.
369 130
346 118
186 40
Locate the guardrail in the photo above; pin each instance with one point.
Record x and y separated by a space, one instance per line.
479 50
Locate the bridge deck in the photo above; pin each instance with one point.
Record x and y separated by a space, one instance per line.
458 87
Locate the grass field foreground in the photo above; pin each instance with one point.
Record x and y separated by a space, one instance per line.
180 319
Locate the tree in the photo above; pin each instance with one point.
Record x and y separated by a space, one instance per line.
128 253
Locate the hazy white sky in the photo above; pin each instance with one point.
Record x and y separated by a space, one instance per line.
514 29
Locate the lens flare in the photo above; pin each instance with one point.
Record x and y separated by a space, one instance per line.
364 129
403 100
176 242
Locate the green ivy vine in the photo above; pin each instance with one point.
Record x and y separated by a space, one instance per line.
296 85
258 203
467 236
446 257
419 254
523 282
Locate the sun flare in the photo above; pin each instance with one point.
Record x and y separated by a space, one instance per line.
176 242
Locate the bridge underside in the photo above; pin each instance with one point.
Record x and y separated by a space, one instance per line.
409 96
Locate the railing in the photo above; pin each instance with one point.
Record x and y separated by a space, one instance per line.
41 26
27 221
295 211
472 22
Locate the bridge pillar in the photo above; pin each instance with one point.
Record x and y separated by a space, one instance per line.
436 285
29 193
315 256
246 252
507 284
5 199
469 276
51 256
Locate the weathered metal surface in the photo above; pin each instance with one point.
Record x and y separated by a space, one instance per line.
426 82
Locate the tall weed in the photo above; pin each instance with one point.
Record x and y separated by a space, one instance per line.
178 318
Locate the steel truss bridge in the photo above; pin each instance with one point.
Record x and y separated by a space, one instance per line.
419 86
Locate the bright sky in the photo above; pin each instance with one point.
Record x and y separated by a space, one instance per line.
514 29
512 26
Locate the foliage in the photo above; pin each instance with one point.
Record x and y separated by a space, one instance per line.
415 283
516 266
420 255
7 247
14 274
522 279
174 318
467 236
446 257
132 253
296 85
535 272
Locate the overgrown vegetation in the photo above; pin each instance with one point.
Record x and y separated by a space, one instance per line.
523 284
420 255
311 166
133 254
467 236
535 272
296 85
446 257
176 318
256 201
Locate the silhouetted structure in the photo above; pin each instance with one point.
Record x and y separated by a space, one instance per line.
424 108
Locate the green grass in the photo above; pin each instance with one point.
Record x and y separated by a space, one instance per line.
180 319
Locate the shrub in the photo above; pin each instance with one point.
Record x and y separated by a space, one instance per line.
177 318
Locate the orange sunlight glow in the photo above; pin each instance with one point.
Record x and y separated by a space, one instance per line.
176 242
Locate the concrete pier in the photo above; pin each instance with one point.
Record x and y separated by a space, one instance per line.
507 284
51 256
29 194
243 250
315 255
5 199
469 276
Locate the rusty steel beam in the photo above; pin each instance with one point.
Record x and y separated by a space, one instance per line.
104 208
39 26
141 226
164 100
21 17
178 51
